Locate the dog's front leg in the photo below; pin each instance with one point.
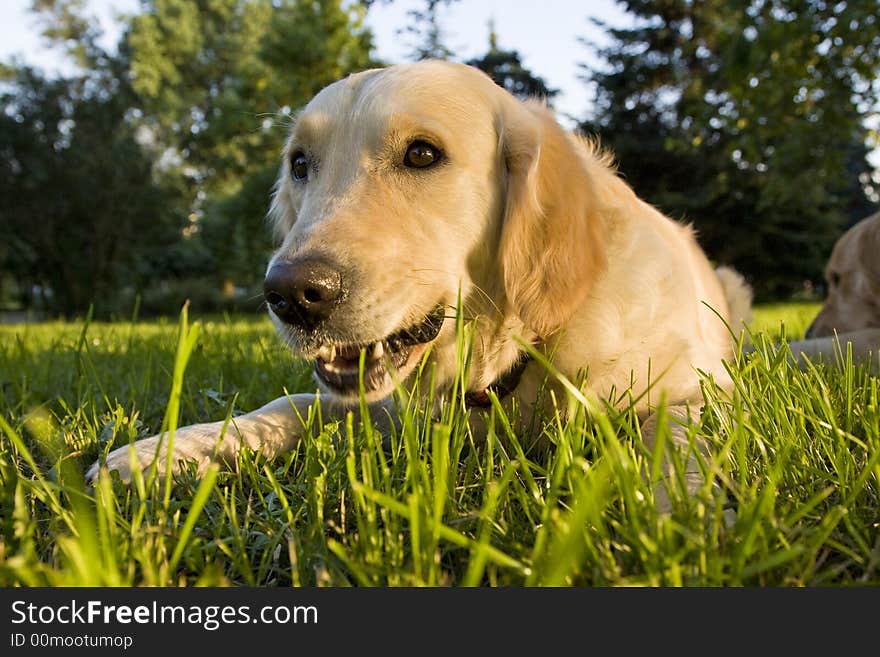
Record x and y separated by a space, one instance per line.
678 418
865 344
272 429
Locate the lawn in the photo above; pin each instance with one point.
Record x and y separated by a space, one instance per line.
795 468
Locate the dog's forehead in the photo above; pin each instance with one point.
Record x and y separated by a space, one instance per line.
426 82
438 92
340 94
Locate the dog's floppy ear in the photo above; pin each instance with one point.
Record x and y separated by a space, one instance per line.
551 244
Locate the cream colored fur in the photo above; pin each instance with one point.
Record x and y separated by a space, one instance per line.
851 312
529 223
853 275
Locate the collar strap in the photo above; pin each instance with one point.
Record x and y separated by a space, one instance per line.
502 386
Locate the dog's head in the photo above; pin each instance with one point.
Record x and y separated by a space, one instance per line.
853 276
408 192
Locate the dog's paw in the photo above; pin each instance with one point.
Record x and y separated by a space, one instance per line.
197 443
120 460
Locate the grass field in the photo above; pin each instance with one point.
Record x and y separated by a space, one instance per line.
796 457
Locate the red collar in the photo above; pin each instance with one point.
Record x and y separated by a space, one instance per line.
502 386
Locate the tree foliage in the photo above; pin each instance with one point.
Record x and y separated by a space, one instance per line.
218 78
84 215
506 69
162 154
426 34
745 118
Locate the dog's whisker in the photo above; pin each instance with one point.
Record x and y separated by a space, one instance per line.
474 287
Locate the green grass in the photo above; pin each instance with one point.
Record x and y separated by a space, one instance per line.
795 454
783 320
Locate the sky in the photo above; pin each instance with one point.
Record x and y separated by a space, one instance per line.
545 33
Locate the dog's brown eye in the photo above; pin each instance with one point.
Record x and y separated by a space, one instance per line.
834 278
299 166
421 154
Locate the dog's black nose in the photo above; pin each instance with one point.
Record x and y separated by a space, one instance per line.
303 291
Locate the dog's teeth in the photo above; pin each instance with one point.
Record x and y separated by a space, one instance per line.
327 353
378 350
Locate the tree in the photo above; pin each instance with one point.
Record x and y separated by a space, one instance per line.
83 206
218 78
747 119
506 69
427 36
163 152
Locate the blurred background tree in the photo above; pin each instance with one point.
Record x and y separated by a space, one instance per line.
84 218
148 172
157 164
505 67
747 119
426 34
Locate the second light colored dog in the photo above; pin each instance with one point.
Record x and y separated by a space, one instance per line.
851 312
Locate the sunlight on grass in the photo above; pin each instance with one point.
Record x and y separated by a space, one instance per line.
796 455
788 320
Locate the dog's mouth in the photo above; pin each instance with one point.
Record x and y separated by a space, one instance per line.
338 365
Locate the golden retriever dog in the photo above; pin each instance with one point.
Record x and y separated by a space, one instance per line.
406 189
851 312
